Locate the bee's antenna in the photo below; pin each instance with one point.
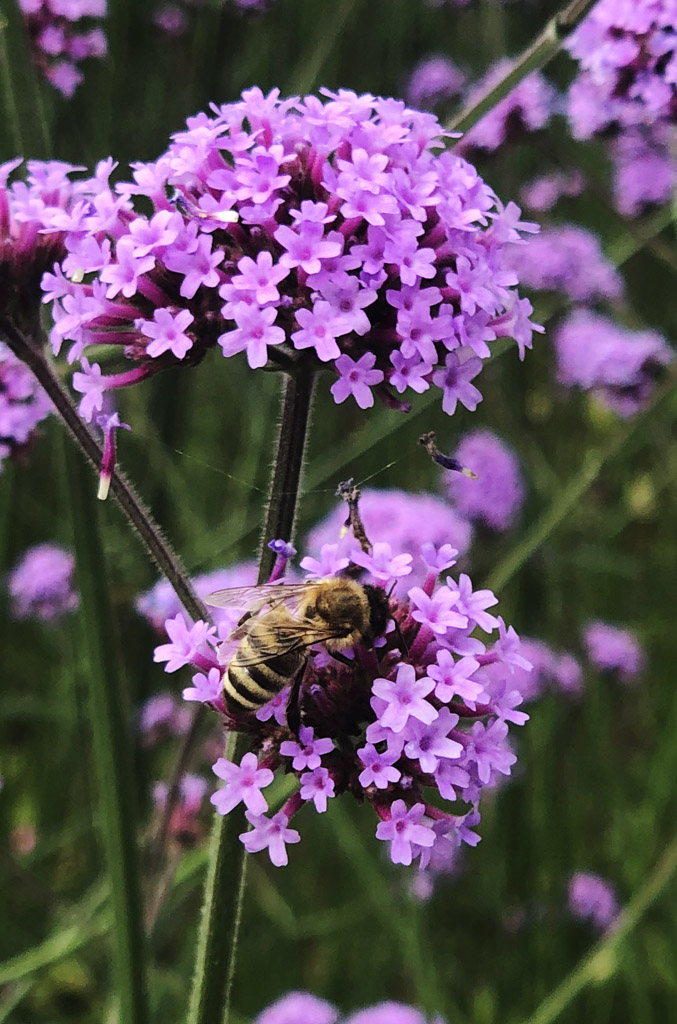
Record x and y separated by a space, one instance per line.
351 494
429 442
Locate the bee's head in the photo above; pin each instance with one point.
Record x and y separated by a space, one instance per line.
379 609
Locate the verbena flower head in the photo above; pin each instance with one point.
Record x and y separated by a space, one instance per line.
527 108
23 404
495 497
593 898
434 79
63 34
329 234
569 259
628 66
542 193
36 214
421 713
619 366
162 715
303 1008
644 169
41 584
614 650
407 522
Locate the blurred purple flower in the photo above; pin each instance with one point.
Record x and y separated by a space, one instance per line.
399 255
495 498
569 259
161 603
619 366
644 169
593 898
62 35
23 404
543 192
614 650
627 66
41 585
434 79
528 108
299 1008
162 715
185 826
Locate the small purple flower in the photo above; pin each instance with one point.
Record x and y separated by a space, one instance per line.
615 650
308 752
317 786
453 678
593 898
569 259
186 643
496 496
402 830
299 1008
356 379
41 585
244 783
381 563
62 36
271 834
460 369
405 699
378 768
167 333
207 689
428 744
329 563
527 108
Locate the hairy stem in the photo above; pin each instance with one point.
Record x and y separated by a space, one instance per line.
537 54
33 355
226 874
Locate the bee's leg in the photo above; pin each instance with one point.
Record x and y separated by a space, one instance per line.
293 706
342 658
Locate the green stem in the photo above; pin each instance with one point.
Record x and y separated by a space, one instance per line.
537 54
600 963
111 748
226 873
33 355
24 111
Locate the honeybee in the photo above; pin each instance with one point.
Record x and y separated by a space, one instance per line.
281 623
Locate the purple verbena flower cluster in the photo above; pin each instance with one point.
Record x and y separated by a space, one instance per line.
408 523
434 79
162 715
527 108
593 898
421 713
298 231
173 18
495 498
644 169
614 650
35 217
569 259
628 66
303 1008
63 34
619 366
41 584
23 404
543 193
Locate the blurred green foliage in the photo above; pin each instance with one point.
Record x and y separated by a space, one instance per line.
595 786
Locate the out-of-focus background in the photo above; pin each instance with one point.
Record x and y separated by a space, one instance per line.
593 540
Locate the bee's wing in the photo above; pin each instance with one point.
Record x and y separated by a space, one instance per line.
254 598
293 636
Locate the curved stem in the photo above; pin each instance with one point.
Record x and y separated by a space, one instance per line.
226 875
33 355
600 963
537 54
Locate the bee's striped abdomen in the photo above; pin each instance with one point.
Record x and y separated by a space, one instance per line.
250 686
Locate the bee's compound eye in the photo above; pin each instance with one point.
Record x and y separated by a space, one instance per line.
311 611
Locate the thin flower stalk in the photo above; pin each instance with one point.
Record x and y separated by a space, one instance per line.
537 54
226 873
